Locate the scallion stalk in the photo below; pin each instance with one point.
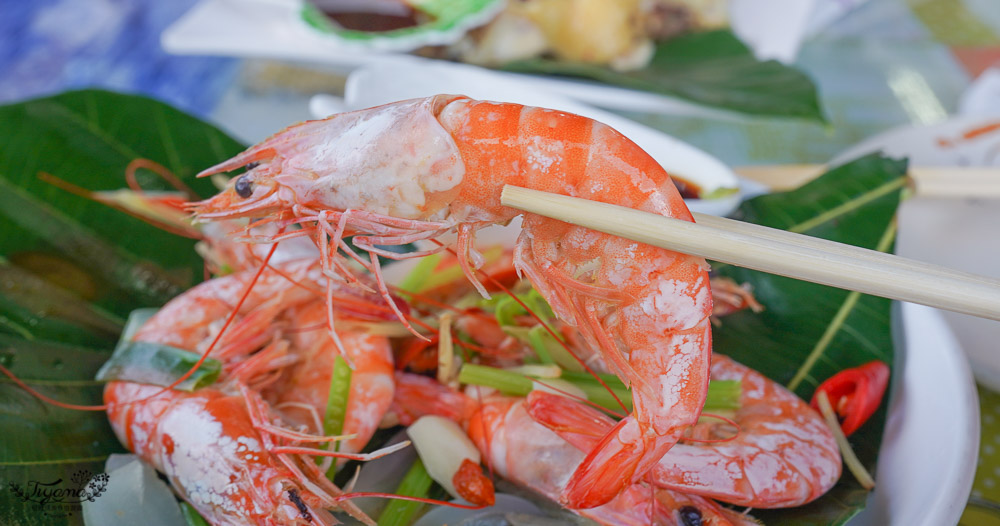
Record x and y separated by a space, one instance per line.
415 483
723 395
336 402
191 515
504 381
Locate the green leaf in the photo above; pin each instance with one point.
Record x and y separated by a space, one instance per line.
712 69
88 138
71 270
44 443
808 332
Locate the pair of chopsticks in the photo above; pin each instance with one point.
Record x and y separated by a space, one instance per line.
777 252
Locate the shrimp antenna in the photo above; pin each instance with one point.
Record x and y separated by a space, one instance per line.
348 496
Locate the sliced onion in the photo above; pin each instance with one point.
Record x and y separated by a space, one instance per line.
442 446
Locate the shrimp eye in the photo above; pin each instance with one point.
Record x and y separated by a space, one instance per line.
244 187
690 516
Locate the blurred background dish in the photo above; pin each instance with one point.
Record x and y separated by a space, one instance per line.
616 35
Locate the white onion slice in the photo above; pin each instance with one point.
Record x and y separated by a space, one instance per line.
442 446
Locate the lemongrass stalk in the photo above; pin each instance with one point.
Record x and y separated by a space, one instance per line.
850 459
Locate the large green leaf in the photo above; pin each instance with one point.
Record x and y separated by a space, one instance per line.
71 269
713 69
808 332
88 138
43 443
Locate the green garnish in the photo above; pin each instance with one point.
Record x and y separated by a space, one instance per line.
155 363
722 394
336 403
191 515
416 483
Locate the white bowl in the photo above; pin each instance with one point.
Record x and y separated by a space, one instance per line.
388 81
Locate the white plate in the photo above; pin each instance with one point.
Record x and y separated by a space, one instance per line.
273 29
391 81
931 442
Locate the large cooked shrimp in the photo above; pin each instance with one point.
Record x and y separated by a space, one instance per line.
417 169
217 445
780 455
209 448
530 455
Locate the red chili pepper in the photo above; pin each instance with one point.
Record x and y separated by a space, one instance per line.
855 393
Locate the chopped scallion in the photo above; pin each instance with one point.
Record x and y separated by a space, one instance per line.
416 483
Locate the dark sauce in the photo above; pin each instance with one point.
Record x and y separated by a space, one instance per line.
687 189
373 16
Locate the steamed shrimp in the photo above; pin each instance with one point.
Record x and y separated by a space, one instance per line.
415 170
216 444
530 455
780 454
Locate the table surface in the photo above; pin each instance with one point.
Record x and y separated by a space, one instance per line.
886 64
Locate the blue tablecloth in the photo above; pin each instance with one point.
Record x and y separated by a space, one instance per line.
49 46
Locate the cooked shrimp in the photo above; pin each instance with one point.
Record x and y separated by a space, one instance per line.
528 454
417 169
780 455
207 445
308 380
218 445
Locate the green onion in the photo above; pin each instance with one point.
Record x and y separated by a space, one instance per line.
416 483
157 364
191 515
599 395
506 309
722 394
415 280
336 404
504 381
544 344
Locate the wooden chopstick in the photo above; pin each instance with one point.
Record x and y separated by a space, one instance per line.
777 252
930 181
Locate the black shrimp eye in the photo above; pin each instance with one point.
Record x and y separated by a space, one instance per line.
690 516
244 187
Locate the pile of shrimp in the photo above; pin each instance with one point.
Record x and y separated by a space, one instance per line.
429 172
